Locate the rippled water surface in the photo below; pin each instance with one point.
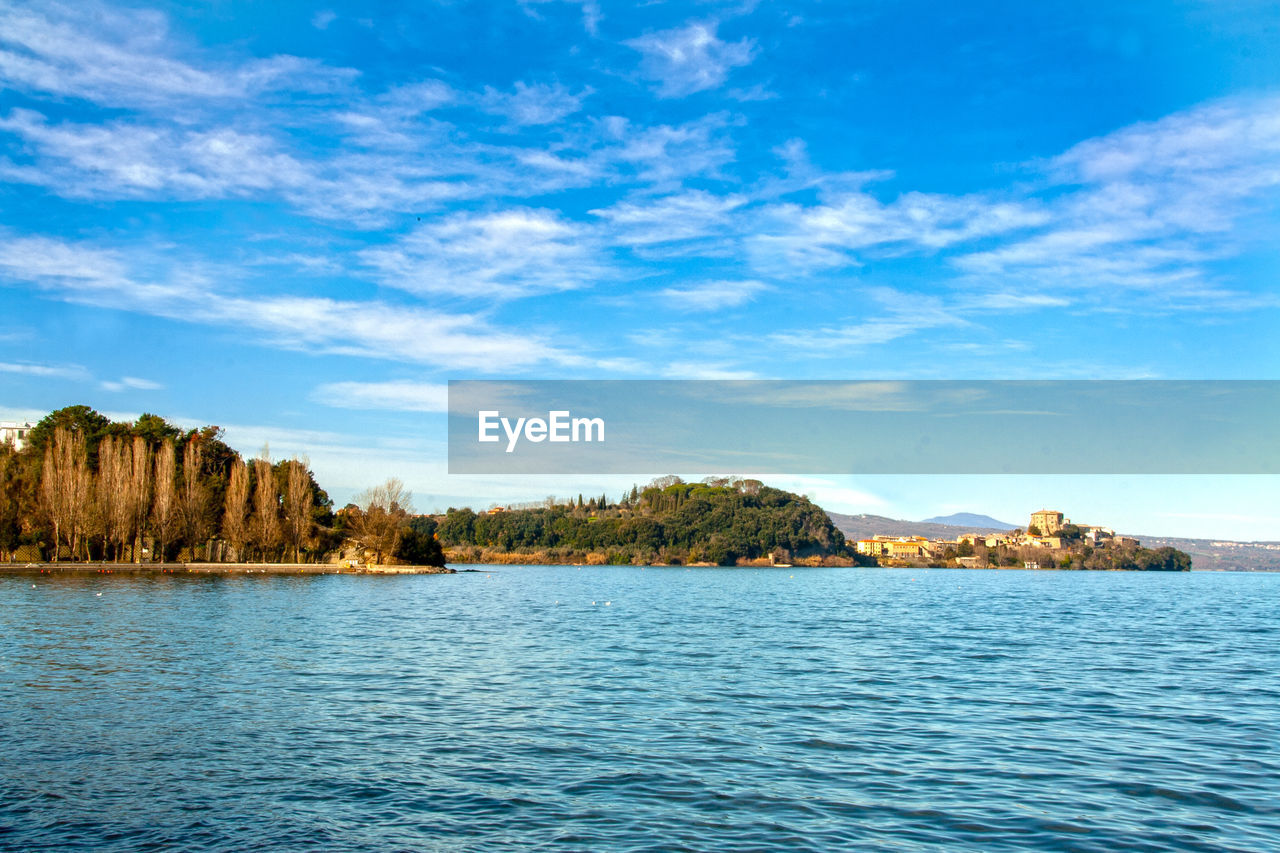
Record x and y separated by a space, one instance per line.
657 709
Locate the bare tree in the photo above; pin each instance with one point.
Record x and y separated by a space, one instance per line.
163 509
114 466
139 492
193 496
380 516
95 522
64 488
264 526
234 527
297 505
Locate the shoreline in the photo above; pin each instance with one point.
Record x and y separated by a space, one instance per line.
65 568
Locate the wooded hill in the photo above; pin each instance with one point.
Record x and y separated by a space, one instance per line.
720 521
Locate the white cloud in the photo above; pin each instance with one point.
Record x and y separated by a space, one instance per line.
159 162
1148 207
690 58
45 371
897 314
832 234
124 58
706 370
395 162
533 104
400 396
322 19
132 160
502 255
694 217
369 329
667 154
1015 301
712 295
1237 140
591 14
130 383
832 495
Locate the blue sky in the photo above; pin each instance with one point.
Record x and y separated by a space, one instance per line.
298 221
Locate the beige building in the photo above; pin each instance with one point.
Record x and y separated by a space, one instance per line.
900 547
1048 521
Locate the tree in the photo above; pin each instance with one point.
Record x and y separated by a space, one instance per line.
113 495
11 489
236 507
264 526
380 514
164 509
65 487
81 419
154 429
193 495
419 548
297 505
139 492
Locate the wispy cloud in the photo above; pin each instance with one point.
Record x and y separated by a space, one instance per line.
832 234
126 58
591 14
895 314
712 295
679 223
665 154
507 254
690 59
130 383
533 103
1147 207
371 329
122 159
706 370
400 396
46 371
402 162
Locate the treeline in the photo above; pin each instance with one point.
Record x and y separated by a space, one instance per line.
720 520
1077 556
85 488
1137 559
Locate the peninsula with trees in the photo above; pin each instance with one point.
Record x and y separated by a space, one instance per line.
80 488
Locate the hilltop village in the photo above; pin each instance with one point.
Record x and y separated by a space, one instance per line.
1050 541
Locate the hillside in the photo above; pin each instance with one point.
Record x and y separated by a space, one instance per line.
721 522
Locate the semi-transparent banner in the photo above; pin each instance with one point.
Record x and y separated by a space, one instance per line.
860 427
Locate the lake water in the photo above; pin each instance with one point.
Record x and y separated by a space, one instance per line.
557 708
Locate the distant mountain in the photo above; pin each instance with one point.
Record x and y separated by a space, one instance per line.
969 519
855 527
